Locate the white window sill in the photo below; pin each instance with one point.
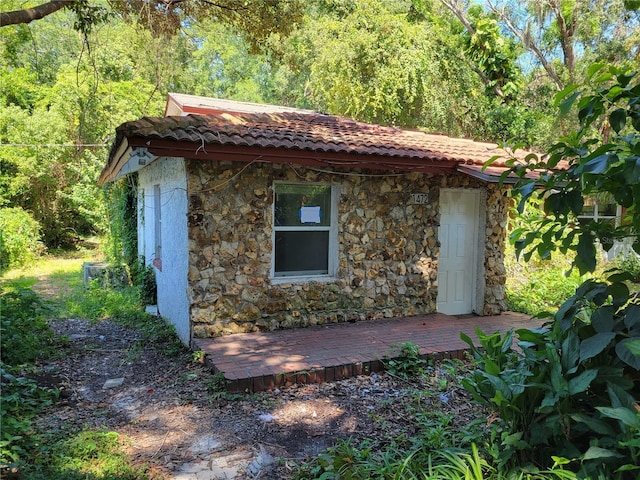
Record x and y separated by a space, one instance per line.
303 279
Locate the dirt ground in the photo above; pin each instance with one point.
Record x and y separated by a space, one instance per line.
172 417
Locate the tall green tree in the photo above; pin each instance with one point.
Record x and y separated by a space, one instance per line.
387 62
57 114
562 37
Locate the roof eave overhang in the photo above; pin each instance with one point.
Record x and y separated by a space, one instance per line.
486 174
247 154
118 158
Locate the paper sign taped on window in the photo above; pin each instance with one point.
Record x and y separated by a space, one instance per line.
310 214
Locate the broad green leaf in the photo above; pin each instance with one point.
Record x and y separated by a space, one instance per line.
595 424
567 102
618 388
515 440
628 350
581 382
592 346
598 453
500 386
619 293
625 415
570 353
625 78
549 401
618 119
558 382
632 317
533 335
632 166
602 319
491 367
490 161
557 461
597 165
594 68
621 277
575 201
586 253
465 338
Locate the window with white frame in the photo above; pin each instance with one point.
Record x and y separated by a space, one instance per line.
157 222
599 210
304 230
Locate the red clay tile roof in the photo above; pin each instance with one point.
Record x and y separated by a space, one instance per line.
356 144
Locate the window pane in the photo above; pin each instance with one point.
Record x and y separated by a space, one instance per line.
589 210
307 205
607 210
301 253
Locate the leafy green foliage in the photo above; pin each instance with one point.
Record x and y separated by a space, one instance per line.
123 239
22 399
19 238
24 334
87 454
571 392
592 163
629 264
536 285
494 54
148 287
405 361
24 337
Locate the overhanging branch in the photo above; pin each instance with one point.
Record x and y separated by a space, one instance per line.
28 15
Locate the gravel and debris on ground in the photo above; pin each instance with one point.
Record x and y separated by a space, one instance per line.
175 421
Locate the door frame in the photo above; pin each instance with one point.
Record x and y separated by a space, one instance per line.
478 269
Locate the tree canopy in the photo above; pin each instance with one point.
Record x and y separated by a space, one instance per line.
70 76
165 17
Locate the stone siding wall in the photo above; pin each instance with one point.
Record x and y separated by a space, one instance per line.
387 249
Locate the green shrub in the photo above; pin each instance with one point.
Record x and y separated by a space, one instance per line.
22 399
540 288
24 337
148 287
19 238
24 334
569 394
629 263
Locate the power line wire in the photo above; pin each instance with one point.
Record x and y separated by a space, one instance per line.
66 145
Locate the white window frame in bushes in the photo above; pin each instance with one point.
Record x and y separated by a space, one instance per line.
328 225
598 211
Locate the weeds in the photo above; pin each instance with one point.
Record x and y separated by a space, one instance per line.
24 334
405 361
87 454
26 337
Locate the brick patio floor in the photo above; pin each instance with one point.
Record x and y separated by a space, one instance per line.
254 362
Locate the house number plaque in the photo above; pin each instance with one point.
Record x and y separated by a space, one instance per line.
419 198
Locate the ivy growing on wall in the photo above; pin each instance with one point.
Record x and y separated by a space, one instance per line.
122 246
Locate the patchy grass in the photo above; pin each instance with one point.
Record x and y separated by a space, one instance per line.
55 277
53 287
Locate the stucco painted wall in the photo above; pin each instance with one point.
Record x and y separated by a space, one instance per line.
387 248
169 174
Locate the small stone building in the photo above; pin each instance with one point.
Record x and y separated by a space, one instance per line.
258 217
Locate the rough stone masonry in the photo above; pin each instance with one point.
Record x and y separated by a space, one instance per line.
387 248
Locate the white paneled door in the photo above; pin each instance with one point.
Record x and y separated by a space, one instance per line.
458 259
